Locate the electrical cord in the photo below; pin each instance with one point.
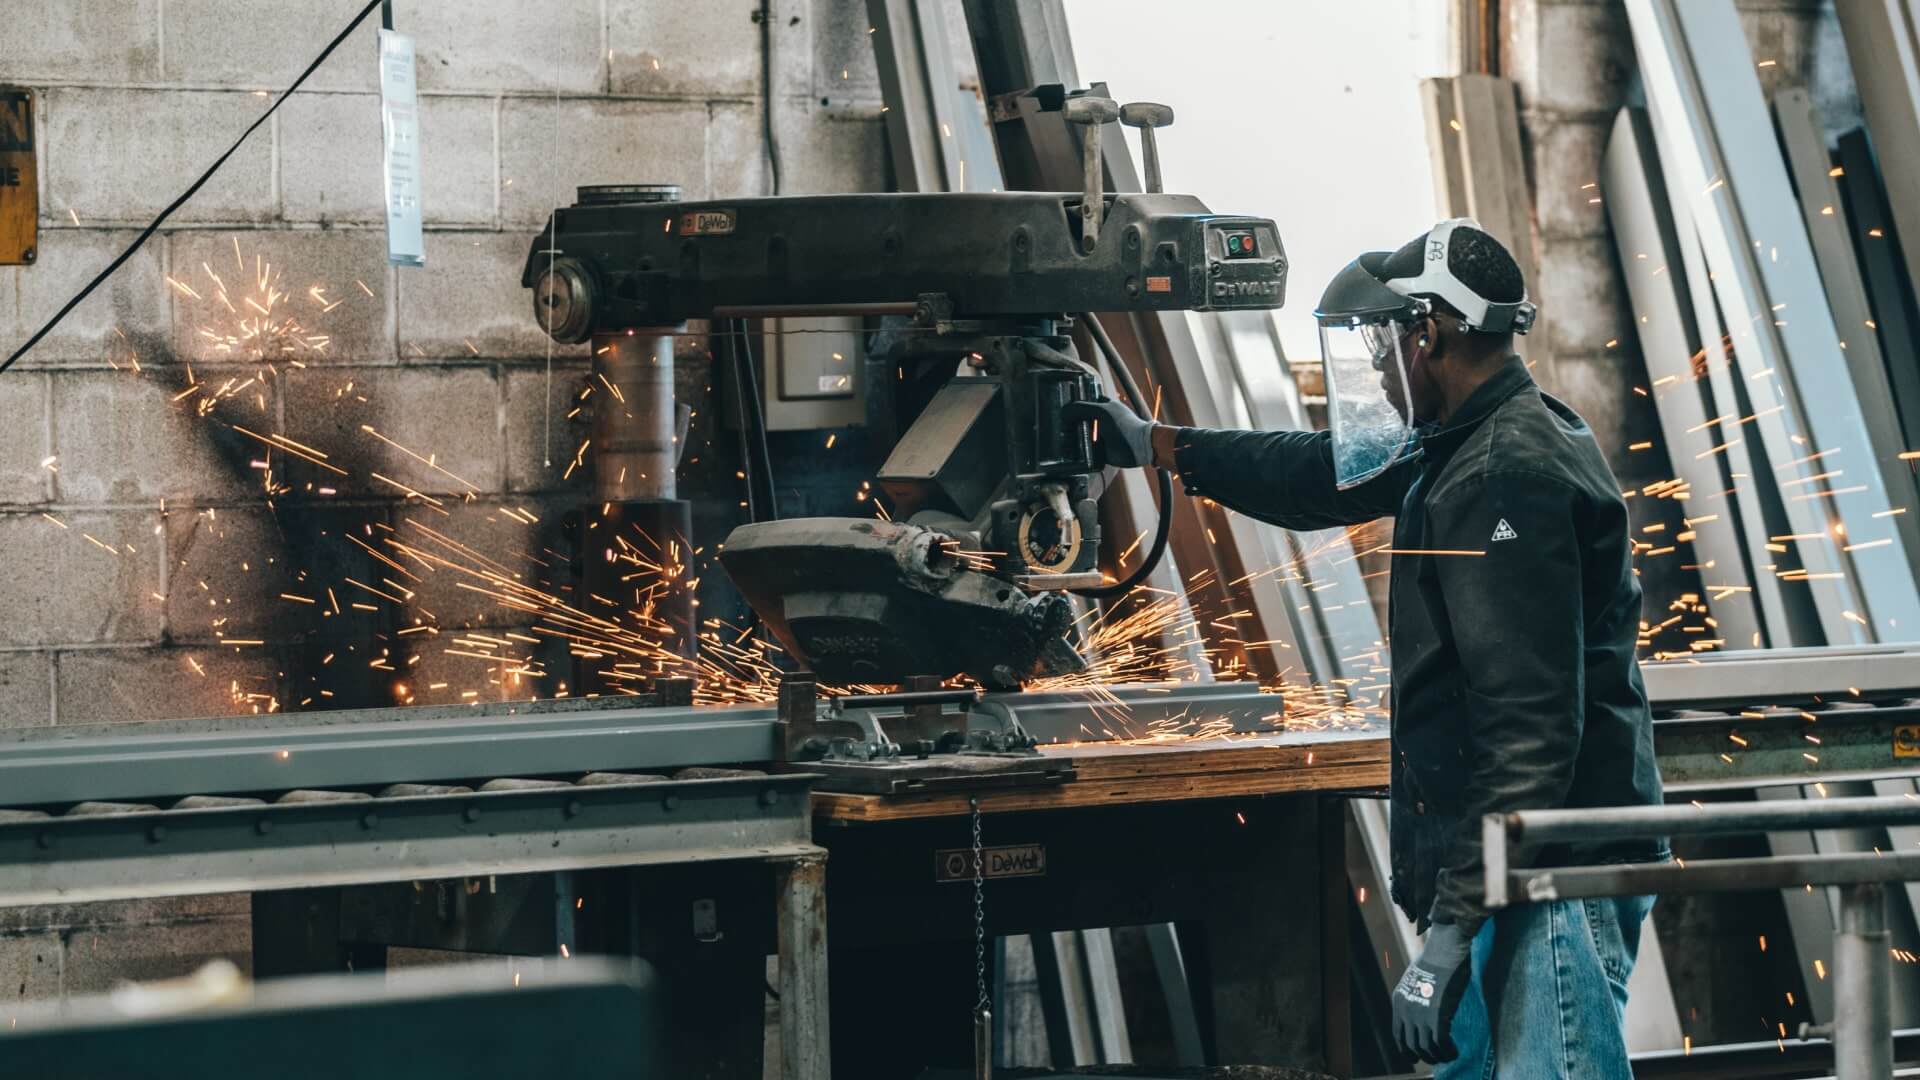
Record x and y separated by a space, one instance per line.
191 191
1164 528
766 92
741 426
748 387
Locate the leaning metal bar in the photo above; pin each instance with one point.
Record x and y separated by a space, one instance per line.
411 838
369 748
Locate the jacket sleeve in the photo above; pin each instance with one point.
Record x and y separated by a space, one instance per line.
1515 611
1283 478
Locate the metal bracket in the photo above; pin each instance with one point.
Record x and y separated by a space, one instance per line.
923 720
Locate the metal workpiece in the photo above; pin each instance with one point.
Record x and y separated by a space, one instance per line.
372 748
1751 679
411 838
1138 711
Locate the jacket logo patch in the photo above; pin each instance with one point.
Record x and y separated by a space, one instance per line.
1504 531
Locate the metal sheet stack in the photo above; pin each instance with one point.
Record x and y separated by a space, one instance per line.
1775 315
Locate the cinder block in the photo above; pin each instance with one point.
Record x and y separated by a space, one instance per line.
1581 299
121 155
118 42
1572 58
29 967
544 47
23 439
120 437
99 686
449 416
844 69
539 451
348 321
1786 41
548 149
467 303
1568 200
831 152
229 573
133 302
736 150
673 50
26 699
331 159
822 151
478 553
1599 386
64 588
459 160
237 43
96 960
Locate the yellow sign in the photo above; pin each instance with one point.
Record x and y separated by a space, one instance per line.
19 183
1906 740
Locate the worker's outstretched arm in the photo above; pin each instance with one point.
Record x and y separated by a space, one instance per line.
1510 579
1284 478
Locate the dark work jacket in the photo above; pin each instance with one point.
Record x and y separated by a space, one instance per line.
1514 680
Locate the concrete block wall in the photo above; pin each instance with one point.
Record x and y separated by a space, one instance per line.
138 536
1575 65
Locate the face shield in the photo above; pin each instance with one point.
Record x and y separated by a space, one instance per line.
1365 329
1367 399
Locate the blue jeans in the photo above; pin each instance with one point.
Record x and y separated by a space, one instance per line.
1549 993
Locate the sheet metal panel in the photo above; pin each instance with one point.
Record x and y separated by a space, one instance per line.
1669 340
1882 389
1716 143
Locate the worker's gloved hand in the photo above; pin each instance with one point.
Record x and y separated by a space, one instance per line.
1428 994
1124 439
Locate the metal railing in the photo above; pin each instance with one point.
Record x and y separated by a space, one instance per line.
1862 1031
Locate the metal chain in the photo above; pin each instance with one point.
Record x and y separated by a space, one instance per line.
979 914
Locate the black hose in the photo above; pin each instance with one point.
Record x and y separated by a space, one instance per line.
744 429
749 386
1138 402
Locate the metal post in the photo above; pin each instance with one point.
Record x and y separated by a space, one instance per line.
633 421
1862 986
802 888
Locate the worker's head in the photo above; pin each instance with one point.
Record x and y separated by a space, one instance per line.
1476 301
1405 333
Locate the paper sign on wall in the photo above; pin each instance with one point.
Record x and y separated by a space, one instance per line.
400 127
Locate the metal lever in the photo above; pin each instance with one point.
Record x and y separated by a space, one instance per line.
1147 116
1091 113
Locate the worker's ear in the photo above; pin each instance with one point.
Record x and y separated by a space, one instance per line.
1426 339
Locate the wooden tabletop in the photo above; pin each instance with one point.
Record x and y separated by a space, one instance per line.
1138 772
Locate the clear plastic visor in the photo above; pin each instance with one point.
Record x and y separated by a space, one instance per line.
1368 407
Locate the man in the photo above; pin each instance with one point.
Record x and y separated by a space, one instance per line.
1515 612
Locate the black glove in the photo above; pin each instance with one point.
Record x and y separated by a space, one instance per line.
1428 994
1125 439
